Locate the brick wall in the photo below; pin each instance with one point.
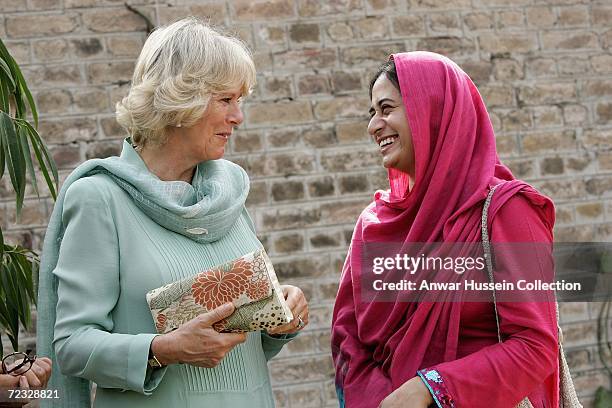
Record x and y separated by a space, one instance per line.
543 66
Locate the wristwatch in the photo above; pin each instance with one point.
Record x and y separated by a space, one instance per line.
153 361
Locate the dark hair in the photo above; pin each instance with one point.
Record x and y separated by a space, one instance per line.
388 68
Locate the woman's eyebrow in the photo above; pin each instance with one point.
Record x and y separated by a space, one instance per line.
380 101
230 94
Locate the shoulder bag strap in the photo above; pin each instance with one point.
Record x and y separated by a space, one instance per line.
567 391
487 252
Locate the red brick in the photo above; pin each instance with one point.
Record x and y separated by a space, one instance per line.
100 73
310 58
312 8
341 107
549 141
508 43
20 26
410 25
451 46
113 20
369 55
279 113
249 10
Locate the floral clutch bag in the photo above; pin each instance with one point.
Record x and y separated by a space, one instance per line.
249 282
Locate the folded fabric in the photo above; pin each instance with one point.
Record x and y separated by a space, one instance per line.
249 282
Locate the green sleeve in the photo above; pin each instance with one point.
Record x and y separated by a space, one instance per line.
88 288
273 345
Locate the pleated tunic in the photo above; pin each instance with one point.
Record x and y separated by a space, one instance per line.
111 255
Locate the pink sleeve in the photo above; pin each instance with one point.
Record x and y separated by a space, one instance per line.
356 371
501 375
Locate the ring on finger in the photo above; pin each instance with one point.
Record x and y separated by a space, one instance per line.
300 322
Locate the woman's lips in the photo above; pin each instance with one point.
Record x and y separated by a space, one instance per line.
389 146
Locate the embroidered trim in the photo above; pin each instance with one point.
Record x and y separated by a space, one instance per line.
435 383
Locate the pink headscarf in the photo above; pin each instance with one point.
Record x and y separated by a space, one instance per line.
456 163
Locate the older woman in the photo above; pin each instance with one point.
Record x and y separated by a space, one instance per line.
166 209
437 143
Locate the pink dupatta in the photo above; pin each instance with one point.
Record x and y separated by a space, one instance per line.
378 346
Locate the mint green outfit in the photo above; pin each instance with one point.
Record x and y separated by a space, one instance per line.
116 232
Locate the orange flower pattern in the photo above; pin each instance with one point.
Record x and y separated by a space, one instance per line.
221 285
259 285
258 289
160 323
247 282
220 326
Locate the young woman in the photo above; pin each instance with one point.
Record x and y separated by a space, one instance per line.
437 142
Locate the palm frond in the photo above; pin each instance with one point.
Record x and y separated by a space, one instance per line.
20 147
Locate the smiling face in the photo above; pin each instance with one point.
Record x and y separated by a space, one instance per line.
207 138
389 126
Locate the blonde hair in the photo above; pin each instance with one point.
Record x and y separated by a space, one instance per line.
179 68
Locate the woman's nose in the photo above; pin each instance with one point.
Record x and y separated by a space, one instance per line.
376 125
235 116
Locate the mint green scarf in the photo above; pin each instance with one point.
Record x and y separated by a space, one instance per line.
203 211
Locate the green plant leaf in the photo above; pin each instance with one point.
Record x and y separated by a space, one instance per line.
22 89
15 275
28 95
12 302
604 343
23 292
27 259
2 157
46 153
35 271
4 54
7 130
1 249
45 161
603 398
7 65
19 271
18 94
19 265
4 315
22 133
20 86
15 160
17 288
7 74
42 165
5 94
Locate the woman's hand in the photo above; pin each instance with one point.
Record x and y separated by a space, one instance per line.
299 308
196 342
36 377
412 394
8 381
